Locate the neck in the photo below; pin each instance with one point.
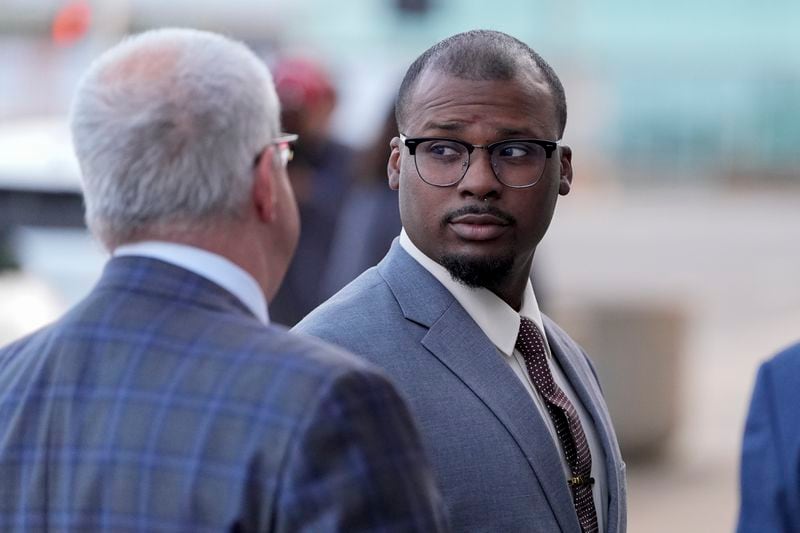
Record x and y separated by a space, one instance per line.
244 250
512 288
512 295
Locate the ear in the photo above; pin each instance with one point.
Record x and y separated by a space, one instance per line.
565 178
264 197
393 166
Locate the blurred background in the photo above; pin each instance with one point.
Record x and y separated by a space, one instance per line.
674 260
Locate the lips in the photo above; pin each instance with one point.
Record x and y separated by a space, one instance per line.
479 227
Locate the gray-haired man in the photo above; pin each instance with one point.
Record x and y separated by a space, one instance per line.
164 401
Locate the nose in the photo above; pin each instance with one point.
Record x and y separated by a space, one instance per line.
480 180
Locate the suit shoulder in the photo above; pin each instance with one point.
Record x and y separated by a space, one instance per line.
782 372
787 359
301 351
15 353
367 300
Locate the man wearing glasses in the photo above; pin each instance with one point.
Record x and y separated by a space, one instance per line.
165 401
509 406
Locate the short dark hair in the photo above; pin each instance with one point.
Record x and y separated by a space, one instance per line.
480 55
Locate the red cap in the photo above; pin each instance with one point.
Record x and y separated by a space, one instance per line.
301 82
71 22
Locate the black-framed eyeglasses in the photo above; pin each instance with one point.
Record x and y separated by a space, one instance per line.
442 162
285 143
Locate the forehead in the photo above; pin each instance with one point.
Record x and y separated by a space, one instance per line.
522 106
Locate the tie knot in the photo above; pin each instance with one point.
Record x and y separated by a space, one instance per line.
527 331
526 323
529 340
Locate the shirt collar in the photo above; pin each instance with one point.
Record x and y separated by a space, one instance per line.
494 317
207 264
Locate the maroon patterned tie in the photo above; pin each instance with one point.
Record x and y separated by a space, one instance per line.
530 344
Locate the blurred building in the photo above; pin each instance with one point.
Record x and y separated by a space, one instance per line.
668 93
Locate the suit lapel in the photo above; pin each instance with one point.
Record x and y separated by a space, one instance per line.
455 339
585 386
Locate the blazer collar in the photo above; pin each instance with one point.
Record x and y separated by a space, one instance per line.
210 265
159 278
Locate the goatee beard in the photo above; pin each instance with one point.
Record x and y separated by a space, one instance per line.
486 272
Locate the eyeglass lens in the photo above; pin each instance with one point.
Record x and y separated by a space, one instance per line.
515 163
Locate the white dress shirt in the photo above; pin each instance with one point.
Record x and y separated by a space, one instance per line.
500 323
211 266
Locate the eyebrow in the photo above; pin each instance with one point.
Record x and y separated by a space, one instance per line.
445 126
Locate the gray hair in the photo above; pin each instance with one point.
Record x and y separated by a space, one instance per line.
166 126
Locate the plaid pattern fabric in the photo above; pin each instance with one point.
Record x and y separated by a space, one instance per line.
160 404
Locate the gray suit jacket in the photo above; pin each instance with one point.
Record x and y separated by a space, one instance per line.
496 463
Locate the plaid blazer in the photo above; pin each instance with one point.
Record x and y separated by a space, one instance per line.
159 403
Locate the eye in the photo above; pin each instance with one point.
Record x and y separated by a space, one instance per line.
514 150
442 149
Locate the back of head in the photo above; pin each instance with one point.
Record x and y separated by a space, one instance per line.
166 126
480 55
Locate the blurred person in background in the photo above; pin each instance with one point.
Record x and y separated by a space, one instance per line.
509 406
322 173
7 261
369 219
165 400
770 468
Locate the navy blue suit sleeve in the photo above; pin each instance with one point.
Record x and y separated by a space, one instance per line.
763 477
358 465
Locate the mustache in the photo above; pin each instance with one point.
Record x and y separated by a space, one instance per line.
479 210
